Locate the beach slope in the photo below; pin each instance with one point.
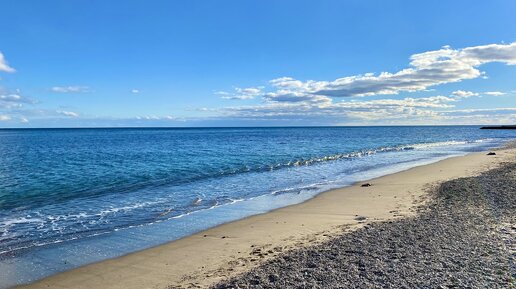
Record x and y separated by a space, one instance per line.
463 237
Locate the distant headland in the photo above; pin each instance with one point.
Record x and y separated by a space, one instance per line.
499 127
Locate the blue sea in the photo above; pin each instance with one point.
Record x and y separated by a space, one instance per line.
69 197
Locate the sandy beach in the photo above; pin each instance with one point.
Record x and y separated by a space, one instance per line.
214 255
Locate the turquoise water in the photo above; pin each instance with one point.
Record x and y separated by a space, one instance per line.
74 196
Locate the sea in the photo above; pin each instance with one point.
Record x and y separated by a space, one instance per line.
69 197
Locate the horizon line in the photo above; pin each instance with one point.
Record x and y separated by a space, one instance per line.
222 127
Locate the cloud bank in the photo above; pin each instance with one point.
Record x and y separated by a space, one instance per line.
69 89
289 98
426 70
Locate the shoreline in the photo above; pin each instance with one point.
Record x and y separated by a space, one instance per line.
209 256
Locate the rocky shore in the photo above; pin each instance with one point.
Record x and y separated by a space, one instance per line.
462 237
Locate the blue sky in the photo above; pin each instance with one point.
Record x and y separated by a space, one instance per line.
244 63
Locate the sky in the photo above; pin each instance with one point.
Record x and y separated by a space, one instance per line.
256 63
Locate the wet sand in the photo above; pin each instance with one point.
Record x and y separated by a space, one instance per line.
217 254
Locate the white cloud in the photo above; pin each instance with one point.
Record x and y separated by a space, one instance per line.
4 66
495 93
286 95
13 100
427 69
68 113
70 89
242 93
155 117
10 98
4 117
135 91
463 94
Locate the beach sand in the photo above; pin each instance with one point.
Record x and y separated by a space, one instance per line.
208 257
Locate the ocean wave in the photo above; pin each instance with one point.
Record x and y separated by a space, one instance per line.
368 152
12 250
52 223
297 190
19 220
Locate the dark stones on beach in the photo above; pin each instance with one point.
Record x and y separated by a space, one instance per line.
461 237
273 278
360 218
366 185
491 153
